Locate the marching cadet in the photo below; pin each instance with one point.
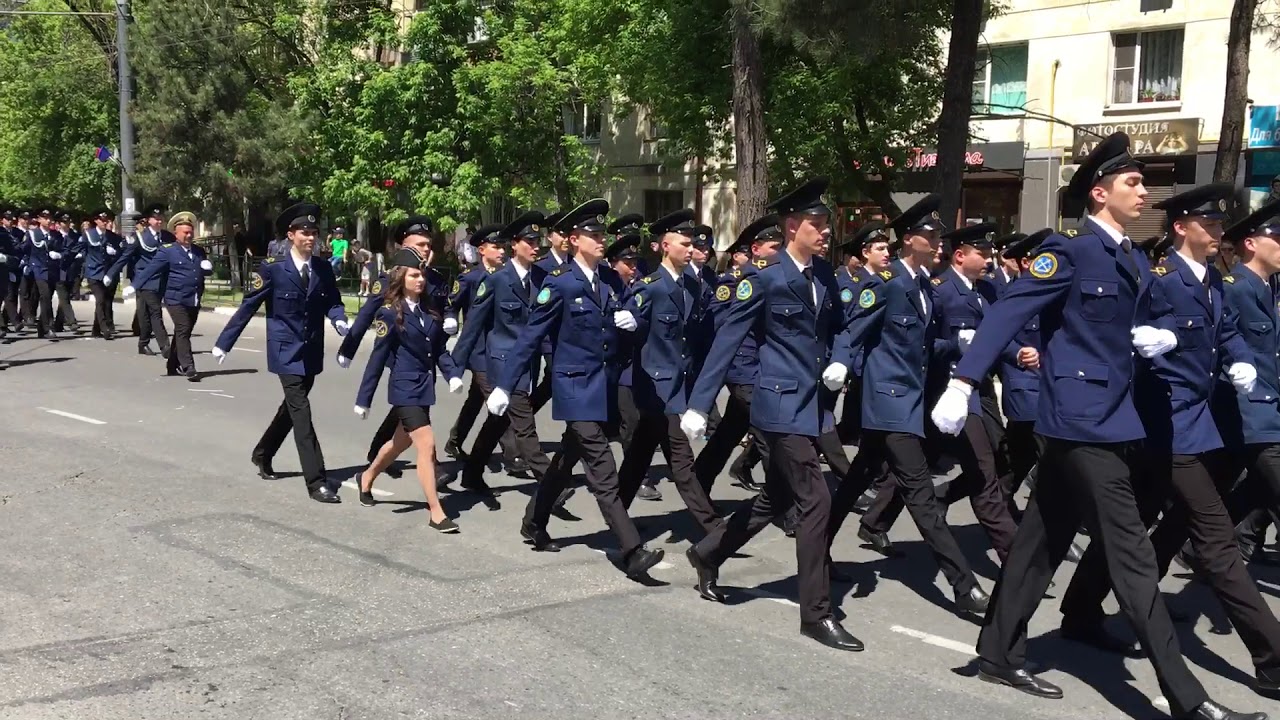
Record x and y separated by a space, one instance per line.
9 260
299 291
411 340
793 303
868 256
42 250
71 248
497 317
896 326
759 241
461 298
28 294
102 247
415 233
1086 290
579 305
962 299
558 251
1005 268
182 267
665 309
136 257
1019 370
624 258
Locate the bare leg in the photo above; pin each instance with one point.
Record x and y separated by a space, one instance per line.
386 455
424 439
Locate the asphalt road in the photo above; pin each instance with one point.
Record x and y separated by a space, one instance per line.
148 573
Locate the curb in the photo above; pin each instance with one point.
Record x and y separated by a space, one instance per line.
224 310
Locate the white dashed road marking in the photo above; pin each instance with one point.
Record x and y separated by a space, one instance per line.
936 640
223 395
244 349
73 416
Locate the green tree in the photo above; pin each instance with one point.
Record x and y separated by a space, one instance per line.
57 104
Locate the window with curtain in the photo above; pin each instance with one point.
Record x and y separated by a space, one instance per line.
1147 67
1000 80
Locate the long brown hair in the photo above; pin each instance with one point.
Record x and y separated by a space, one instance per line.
395 293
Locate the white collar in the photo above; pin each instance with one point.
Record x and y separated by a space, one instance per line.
588 271
413 306
298 262
1005 274
1196 267
674 275
560 259
913 272
521 271
1111 232
963 278
800 267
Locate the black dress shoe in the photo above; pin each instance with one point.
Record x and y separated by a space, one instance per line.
478 486
877 540
446 526
558 508
325 495
974 602
193 376
1267 681
707 577
1097 637
452 450
394 472
863 503
146 350
1074 553
830 633
1210 710
518 467
1018 679
539 539
641 561
742 478
264 469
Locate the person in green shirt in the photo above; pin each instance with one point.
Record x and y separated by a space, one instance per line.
339 246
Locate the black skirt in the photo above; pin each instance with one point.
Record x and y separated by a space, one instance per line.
413 417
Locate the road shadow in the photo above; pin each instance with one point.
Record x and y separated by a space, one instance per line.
20 362
230 371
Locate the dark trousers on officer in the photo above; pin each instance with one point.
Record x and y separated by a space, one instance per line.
659 430
4 301
12 313
45 291
909 467
476 395
628 415
295 414
66 317
151 321
1089 482
850 423
184 321
542 391
735 424
793 478
978 481
29 292
1024 452
104 314
515 430
588 441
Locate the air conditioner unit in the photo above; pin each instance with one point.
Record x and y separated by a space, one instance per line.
1065 173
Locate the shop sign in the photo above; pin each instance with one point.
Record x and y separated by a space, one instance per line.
1264 126
1146 137
994 156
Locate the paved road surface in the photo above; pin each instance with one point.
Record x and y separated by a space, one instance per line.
148 573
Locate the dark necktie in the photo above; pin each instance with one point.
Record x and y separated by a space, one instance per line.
305 271
524 285
417 314
808 280
1127 246
923 281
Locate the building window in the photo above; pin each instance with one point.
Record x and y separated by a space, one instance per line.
1147 67
660 203
1000 80
587 122
656 130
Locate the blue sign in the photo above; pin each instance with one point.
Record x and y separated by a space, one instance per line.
1264 126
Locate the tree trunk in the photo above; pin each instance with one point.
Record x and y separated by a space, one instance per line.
957 101
564 193
749 139
1231 138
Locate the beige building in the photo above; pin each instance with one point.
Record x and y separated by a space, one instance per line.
1152 68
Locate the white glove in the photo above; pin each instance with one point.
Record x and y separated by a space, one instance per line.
342 327
498 401
455 385
966 338
206 265
1243 376
55 255
362 412
1153 342
693 424
111 250
3 257
107 280
79 255
344 361
129 291
952 408
450 326
834 376
219 354
624 320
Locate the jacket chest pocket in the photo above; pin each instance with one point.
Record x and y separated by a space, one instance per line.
1082 390
904 324
771 394
668 326
789 319
511 309
1192 331
583 317
1032 326
289 300
1259 328
1099 300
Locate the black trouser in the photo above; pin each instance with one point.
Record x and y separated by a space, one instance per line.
295 414
850 425
542 391
45 290
1024 452
910 469
516 429
66 317
664 431
793 478
588 441
477 393
104 313
12 284
4 295
993 423
1091 483
628 415
150 320
29 291
735 424
978 481
184 321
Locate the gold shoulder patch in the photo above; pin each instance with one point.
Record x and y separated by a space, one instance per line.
559 271
379 328
271 259
457 287
761 263
376 287
736 273
255 281
1230 278
1160 270
647 280
886 274
723 293
936 281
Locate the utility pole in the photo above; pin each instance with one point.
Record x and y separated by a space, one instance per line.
130 205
